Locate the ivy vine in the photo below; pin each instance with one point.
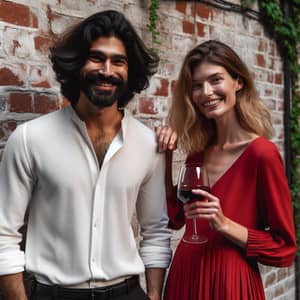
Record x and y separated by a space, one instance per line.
152 26
287 32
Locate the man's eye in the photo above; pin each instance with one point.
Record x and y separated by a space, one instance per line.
95 58
119 62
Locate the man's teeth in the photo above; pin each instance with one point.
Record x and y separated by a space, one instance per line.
212 102
105 84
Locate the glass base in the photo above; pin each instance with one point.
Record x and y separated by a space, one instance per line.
195 239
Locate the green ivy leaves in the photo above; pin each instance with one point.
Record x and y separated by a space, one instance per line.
153 17
287 31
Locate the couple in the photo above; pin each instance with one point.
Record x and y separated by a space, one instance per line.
83 170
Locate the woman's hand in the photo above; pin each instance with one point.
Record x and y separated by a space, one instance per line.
209 209
166 138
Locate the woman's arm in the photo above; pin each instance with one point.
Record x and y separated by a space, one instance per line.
166 139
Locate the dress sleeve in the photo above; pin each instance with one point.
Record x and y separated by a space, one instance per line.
175 211
276 245
15 191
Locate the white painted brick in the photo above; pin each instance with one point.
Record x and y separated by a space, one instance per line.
18 43
182 44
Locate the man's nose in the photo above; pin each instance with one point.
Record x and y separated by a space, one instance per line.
207 89
106 68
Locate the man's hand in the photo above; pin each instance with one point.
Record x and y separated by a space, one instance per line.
155 280
12 287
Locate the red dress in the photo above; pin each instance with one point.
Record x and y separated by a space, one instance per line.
254 193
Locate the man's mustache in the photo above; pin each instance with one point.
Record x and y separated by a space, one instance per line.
97 78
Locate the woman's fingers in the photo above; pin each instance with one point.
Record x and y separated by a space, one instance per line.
208 208
166 138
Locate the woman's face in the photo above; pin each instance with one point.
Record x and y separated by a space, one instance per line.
214 90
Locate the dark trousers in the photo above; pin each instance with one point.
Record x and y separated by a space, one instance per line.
127 290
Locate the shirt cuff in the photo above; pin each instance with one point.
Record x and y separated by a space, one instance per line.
11 264
156 257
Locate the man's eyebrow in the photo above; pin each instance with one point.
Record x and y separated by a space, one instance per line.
113 55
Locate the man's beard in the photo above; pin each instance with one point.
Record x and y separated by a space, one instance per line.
98 97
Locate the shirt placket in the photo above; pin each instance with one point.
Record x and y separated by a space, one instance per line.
98 176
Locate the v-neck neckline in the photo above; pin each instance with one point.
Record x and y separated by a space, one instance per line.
234 162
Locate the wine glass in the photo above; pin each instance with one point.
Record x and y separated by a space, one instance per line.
191 176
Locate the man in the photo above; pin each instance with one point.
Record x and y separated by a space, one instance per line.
81 171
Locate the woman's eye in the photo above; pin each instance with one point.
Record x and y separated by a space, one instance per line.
216 79
196 87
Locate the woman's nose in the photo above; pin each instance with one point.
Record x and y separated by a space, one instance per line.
207 89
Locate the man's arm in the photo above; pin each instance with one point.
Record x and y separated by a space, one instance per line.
155 280
15 192
12 287
155 248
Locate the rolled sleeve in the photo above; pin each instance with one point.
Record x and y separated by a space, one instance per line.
15 192
155 248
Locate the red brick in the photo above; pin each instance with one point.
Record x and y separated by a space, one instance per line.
163 90
44 103
43 43
278 78
203 11
260 60
146 106
20 102
181 6
17 14
188 27
200 29
7 77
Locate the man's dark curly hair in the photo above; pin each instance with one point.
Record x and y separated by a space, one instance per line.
71 51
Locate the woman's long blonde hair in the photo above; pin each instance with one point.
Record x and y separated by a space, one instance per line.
195 132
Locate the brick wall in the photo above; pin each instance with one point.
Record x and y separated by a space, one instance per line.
28 88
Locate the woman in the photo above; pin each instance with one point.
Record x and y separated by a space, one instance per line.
223 125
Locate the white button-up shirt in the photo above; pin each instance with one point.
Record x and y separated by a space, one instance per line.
79 224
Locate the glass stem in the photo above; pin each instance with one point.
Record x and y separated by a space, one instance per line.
195 235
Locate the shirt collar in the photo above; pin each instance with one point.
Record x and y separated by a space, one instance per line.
81 124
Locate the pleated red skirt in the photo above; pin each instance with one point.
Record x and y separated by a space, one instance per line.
216 270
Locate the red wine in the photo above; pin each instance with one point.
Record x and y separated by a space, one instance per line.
185 193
